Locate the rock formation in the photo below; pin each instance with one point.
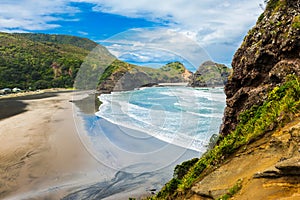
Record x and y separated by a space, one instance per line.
121 76
269 52
210 74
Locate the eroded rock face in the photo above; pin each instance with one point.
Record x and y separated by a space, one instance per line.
121 76
269 52
210 74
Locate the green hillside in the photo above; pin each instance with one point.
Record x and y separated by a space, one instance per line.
37 61
83 43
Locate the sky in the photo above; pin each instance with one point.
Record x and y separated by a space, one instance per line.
145 32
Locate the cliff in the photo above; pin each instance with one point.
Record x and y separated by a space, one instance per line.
122 76
268 53
210 74
257 155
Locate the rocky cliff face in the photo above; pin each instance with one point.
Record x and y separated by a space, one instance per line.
122 76
269 52
210 74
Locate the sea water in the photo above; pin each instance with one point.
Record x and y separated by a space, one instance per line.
182 116
139 136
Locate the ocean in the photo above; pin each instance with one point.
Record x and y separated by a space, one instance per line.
139 136
183 116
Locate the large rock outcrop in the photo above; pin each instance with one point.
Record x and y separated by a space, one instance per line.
269 52
122 76
210 74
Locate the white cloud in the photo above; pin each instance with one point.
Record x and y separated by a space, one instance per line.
210 23
156 46
29 15
226 20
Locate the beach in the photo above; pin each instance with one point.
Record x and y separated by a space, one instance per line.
44 153
39 147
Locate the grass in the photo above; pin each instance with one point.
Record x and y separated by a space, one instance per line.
282 104
296 22
261 17
115 65
275 5
232 191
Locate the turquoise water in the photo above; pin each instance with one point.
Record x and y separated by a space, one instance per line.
183 116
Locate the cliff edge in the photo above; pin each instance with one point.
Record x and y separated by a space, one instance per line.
269 52
258 155
210 74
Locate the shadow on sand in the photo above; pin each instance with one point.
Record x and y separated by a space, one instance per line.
13 106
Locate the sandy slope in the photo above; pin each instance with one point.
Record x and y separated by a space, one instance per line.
256 158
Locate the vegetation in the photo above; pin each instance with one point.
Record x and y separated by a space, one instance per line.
83 43
182 169
272 4
113 67
296 22
36 61
280 107
232 191
275 5
177 66
210 74
128 76
260 18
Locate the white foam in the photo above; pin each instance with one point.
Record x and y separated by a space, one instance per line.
181 125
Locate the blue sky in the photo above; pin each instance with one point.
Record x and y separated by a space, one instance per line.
145 32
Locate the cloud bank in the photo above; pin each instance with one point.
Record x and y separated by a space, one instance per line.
216 25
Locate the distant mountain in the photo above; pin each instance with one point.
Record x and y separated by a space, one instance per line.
210 74
37 61
122 76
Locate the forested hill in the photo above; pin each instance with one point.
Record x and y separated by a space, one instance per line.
83 43
36 61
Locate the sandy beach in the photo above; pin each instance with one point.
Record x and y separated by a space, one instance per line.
43 156
39 147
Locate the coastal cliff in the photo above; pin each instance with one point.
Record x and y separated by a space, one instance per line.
210 74
257 155
268 53
122 76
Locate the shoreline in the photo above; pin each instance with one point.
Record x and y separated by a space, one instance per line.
46 153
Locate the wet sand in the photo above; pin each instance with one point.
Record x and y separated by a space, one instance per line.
44 153
40 148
